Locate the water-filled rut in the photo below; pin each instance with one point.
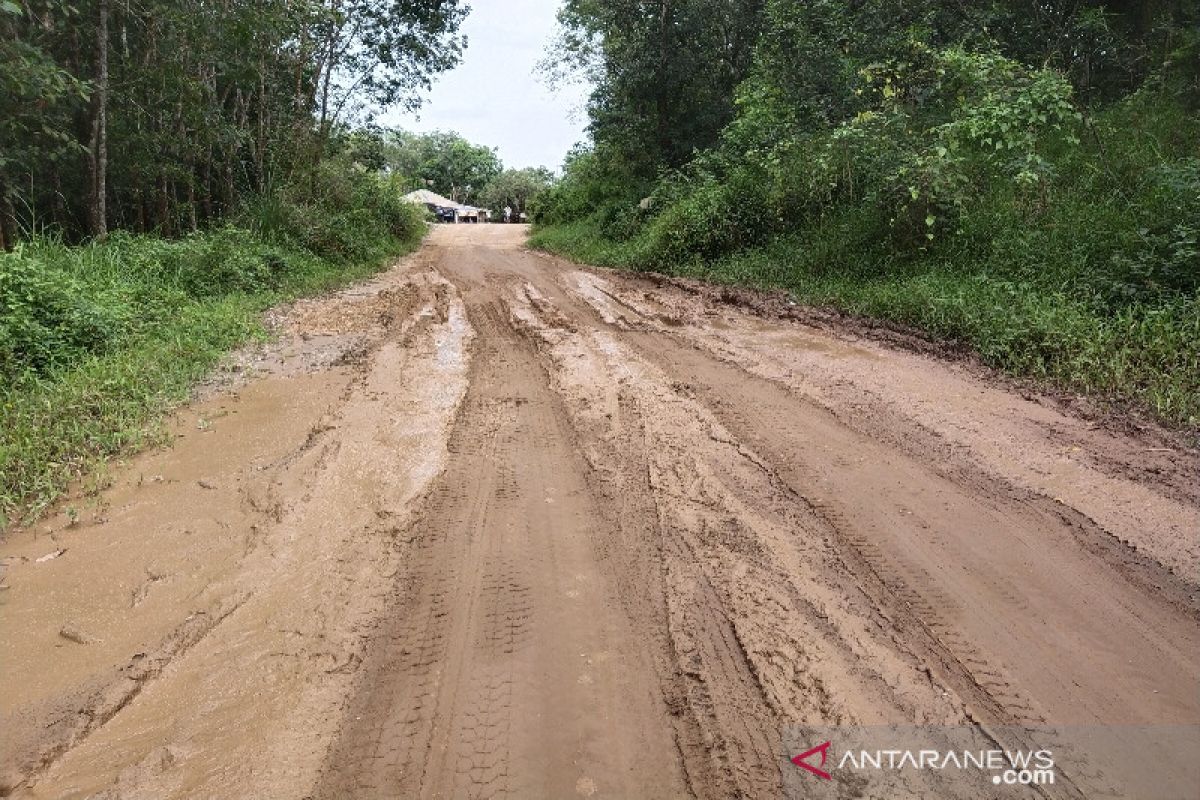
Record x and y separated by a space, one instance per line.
496 525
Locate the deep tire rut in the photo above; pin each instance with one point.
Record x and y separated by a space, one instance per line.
498 672
498 526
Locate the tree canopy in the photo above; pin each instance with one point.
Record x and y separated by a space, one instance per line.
516 189
442 161
664 72
204 103
669 75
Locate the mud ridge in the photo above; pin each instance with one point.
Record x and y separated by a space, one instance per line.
492 525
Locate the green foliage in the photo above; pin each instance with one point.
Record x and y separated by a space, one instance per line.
45 316
96 341
383 52
969 121
35 96
207 104
517 189
592 182
1161 259
663 74
337 212
990 173
442 161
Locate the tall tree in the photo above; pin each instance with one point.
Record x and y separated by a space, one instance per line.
664 72
100 134
157 114
381 53
442 161
516 189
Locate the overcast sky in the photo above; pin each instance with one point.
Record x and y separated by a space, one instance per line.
493 98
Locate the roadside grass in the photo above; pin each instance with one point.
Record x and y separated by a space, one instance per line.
1144 354
581 241
98 342
1093 287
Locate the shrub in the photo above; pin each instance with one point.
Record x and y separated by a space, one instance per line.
45 317
338 211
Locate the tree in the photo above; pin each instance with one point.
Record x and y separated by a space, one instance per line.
161 115
99 149
516 189
669 75
442 161
38 97
664 73
381 52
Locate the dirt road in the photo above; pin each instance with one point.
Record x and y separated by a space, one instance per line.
494 525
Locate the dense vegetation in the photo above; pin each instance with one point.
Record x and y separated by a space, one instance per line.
166 171
163 116
442 161
448 164
1019 175
516 189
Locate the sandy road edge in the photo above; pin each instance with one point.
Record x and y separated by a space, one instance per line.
1166 457
293 599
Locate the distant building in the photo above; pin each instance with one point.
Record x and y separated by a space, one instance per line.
445 209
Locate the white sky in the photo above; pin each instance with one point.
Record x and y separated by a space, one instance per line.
493 98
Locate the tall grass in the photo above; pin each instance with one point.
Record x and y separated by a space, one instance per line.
1094 286
98 341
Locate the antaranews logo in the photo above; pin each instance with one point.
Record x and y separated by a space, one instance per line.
1008 767
802 760
969 762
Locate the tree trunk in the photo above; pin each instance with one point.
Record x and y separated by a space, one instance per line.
139 202
230 189
60 204
260 150
7 234
164 206
193 222
208 186
325 72
100 129
662 101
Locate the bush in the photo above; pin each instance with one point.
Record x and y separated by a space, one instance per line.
46 319
965 197
1162 259
226 261
338 211
96 341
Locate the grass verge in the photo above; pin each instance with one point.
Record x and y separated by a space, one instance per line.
98 342
1145 355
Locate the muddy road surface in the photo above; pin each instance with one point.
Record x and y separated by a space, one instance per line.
494 525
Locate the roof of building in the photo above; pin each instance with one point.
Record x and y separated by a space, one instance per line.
431 198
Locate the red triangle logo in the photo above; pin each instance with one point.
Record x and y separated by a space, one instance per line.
800 761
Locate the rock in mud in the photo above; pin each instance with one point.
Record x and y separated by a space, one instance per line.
73 633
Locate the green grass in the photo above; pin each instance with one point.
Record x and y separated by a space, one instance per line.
98 342
1144 354
582 242
1092 286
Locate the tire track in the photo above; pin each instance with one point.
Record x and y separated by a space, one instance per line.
640 547
503 671
981 630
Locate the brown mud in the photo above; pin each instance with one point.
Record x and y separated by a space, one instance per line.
495 525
